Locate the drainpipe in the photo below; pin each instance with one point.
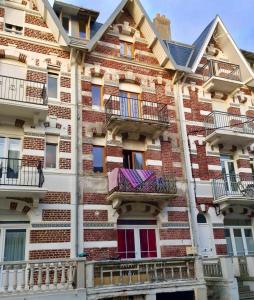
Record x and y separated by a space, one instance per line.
75 153
187 166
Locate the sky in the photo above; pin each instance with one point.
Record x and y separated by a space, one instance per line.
189 17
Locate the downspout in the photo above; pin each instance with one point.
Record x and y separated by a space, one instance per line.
187 166
75 141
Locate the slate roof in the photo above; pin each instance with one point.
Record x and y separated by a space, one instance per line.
180 52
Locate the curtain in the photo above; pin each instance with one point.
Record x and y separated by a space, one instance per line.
148 243
126 243
15 245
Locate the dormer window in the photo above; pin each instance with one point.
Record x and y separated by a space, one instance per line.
82 28
126 50
65 23
14 20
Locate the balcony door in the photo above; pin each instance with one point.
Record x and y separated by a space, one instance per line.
9 159
228 172
129 104
206 244
239 241
12 84
136 242
133 160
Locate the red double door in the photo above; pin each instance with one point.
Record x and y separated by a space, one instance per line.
136 243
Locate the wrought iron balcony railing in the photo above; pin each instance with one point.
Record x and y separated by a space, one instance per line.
221 69
226 121
21 90
131 108
233 186
157 183
21 172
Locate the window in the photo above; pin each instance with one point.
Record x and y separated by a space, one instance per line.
126 244
9 158
98 159
14 20
65 22
133 160
129 105
201 219
51 150
14 248
239 241
82 28
96 95
13 28
126 50
52 86
136 243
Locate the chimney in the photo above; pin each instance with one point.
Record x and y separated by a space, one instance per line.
162 24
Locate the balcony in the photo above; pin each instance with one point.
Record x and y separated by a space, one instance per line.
233 190
229 129
221 76
23 99
140 191
127 115
122 277
21 179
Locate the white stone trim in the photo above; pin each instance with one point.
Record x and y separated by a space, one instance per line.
179 209
48 246
114 159
175 242
205 112
214 167
33 152
151 162
244 170
195 166
220 241
100 244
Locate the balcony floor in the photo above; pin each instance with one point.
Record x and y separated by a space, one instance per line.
234 200
26 193
219 84
118 124
32 111
229 137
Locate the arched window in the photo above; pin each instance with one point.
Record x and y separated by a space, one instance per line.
201 218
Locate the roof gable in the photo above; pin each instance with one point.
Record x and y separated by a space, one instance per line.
52 21
216 30
143 22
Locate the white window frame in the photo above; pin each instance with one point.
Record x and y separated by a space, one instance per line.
7 143
4 228
54 75
57 156
136 229
232 237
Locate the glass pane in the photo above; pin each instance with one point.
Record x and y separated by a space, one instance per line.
13 158
82 29
249 241
147 243
51 156
126 243
239 242
123 104
229 242
96 95
65 22
134 109
138 161
15 245
52 86
2 145
129 51
122 46
98 159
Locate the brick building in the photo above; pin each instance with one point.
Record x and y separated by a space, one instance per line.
117 144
